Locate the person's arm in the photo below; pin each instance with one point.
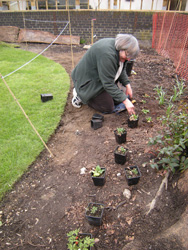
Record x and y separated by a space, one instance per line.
129 106
129 91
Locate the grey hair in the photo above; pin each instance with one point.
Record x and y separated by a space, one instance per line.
129 43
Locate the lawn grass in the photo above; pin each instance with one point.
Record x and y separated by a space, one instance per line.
19 144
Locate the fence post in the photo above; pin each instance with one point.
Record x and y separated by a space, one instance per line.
180 5
119 4
141 4
169 5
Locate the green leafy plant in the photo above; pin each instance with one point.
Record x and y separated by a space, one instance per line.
82 41
161 94
120 131
149 119
132 172
143 101
133 117
178 90
94 209
145 111
173 142
97 171
121 149
77 241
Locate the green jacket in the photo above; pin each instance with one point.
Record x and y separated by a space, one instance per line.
96 72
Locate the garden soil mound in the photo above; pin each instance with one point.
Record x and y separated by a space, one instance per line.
50 199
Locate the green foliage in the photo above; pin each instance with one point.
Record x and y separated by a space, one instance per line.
76 242
82 41
178 90
145 111
161 95
120 131
121 149
135 171
133 117
143 101
173 141
97 171
94 210
132 172
20 145
149 119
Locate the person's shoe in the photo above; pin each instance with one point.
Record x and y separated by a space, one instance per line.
76 101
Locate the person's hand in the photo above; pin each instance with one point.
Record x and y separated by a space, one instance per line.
129 91
129 106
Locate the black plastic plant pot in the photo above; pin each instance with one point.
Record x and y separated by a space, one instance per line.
46 97
131 179
133 124
120 138
119 156
129 67
96 123
98 117
94 218
83 235
100 180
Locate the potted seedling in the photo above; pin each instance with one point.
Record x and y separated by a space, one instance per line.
98 175
120 135
94 213
79 241
132 174
120 154
133 121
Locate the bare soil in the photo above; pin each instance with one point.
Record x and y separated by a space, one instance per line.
50 199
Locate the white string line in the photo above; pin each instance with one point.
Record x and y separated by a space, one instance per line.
32 20
3 77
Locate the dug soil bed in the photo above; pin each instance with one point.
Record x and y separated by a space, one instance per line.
50 199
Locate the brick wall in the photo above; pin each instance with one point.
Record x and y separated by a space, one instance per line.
107 24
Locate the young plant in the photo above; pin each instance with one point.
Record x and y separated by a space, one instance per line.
145 111
146 96
133 117
78 242
120 131
94 210
121 149
97 171
132 172
143 101
178 90
149 119
161 94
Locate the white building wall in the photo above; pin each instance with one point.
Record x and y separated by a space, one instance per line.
186 8
125 5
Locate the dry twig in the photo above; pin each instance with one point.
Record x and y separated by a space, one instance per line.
159 192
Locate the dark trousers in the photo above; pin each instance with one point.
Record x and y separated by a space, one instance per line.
103 103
